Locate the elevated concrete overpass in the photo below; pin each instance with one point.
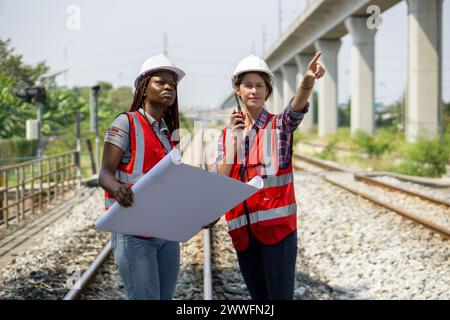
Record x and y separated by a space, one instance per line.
320 27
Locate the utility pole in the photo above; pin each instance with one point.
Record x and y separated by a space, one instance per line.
40 99
78 157
94 119
66 62
263 41
280 19
166 53
35 95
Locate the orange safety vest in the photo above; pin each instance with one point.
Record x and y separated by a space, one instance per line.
271 213
146 151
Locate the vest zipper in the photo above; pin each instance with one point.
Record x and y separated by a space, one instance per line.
247 213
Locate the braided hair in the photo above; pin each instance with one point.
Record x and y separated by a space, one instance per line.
170 116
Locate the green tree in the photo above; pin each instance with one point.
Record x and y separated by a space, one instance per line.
12 66
120 98
344 115
60 110
15 74
13 111
447 116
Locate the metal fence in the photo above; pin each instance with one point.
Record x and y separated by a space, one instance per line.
29 187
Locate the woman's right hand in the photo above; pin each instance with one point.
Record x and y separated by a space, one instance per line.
237 121
124 196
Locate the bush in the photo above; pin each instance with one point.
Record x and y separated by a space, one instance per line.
17 150
426 157
376 145
328 152
342 134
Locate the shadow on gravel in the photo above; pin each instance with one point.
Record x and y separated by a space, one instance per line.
47 284
310 288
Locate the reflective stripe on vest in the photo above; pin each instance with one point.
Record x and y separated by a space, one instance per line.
257 216
138 166
138 156
269 221
278 181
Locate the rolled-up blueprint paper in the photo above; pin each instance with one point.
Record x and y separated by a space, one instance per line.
174 200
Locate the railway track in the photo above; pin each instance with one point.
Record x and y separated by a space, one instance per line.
430 212
82 285
218 282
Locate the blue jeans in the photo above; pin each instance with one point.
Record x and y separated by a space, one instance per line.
149 268
269 270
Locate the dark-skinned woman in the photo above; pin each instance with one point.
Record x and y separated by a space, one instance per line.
135 142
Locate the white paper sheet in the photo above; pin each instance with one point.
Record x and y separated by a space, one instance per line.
174 200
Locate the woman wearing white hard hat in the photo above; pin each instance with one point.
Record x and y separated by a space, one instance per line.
264 227
135 142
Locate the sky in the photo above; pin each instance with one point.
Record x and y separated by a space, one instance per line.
205 38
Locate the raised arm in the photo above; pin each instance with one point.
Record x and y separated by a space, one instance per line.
315 71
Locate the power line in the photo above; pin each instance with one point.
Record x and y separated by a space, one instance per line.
206 75
111 66
107 53
264 36
206 50
65 65
134 64
166 53
138 62
280 21
218 63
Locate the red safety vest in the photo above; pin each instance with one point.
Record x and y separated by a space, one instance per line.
146 151
271 213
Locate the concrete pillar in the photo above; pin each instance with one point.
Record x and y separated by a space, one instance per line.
276 105
423 92
289 73
328 86
302 61
362 76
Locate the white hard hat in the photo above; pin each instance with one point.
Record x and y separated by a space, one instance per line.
158 63
251 63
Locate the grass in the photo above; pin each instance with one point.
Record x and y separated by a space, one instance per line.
385 151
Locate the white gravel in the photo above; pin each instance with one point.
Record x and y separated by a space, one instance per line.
367 252
65 250
348 248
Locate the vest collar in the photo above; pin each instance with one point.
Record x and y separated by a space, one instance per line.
157 125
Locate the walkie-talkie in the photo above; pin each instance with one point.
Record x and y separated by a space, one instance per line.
238 105
238 135
237 102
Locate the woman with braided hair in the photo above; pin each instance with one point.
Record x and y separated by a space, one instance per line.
134 143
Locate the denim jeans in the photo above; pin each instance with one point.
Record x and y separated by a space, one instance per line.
149 268
269 270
